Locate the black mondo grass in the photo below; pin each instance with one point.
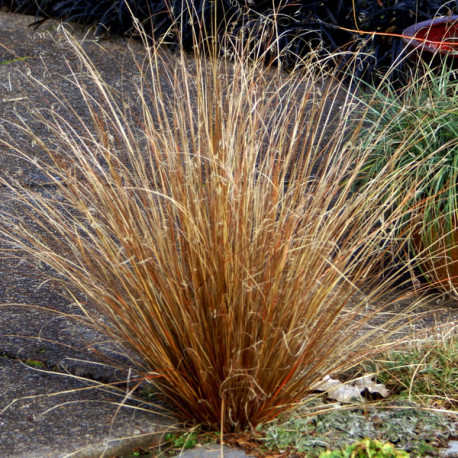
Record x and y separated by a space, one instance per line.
294 26
214 227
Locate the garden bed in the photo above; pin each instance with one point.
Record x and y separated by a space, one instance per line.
16 287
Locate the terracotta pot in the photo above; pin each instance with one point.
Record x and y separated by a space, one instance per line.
435 41
439 257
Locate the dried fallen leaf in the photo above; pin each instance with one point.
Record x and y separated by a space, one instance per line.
346 392
366 383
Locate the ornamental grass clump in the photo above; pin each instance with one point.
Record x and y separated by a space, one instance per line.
209 224
414 135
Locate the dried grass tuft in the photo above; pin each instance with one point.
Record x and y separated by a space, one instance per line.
214 227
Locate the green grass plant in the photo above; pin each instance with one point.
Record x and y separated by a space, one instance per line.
182 441
414 133
210 224
425 372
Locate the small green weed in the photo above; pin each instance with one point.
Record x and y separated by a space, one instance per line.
366 448
175 443
35 363
182 440
12 61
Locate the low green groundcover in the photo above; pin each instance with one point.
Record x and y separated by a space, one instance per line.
407 426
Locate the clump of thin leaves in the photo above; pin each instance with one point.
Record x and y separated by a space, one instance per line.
425 371
414 134
211 227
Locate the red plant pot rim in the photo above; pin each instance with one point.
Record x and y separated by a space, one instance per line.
430 35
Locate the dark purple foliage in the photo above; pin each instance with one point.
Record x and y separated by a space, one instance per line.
301 24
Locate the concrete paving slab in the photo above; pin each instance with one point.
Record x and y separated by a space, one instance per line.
51 414
213 451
